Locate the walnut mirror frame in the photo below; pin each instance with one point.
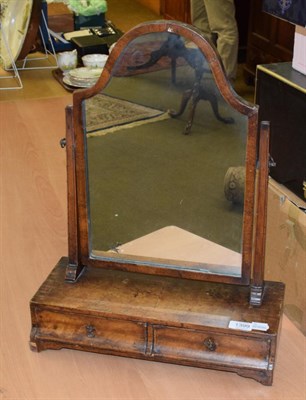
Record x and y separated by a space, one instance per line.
177 310
79 214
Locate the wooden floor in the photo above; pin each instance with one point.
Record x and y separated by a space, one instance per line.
34 236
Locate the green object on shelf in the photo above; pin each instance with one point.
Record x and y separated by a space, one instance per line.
87 7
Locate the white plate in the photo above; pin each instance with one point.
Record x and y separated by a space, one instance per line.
66 79
85 73
15 17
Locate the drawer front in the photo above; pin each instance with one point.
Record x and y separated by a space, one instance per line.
92 331
189 345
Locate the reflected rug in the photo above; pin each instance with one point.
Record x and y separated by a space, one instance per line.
104 112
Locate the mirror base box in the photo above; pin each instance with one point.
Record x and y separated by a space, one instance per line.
160 319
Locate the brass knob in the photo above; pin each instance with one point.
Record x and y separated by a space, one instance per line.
210 344
90 330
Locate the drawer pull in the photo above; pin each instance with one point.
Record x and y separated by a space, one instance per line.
210 344
90 330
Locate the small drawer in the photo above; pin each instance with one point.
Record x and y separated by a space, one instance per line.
91 331
203 347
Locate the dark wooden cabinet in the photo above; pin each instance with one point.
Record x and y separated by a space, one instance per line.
263 39
270 40
176 9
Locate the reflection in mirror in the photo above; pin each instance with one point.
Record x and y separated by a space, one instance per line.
164 150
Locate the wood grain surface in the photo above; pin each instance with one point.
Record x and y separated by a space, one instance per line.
33 238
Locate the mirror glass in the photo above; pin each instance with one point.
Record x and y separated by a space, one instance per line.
163 152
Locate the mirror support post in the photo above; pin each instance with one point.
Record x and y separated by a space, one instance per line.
74 267
257 286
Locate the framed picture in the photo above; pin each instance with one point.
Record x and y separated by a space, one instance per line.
293 11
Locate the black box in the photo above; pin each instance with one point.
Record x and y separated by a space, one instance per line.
92 44
281 96
89 45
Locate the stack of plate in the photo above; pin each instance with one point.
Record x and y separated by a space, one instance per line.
82 77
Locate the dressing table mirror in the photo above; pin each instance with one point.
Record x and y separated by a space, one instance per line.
167 189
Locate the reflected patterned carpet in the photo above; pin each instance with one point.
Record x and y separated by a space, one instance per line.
103 112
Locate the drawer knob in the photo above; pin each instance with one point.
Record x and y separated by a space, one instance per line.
210 344
90 331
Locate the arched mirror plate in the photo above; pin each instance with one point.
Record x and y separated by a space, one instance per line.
166 156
